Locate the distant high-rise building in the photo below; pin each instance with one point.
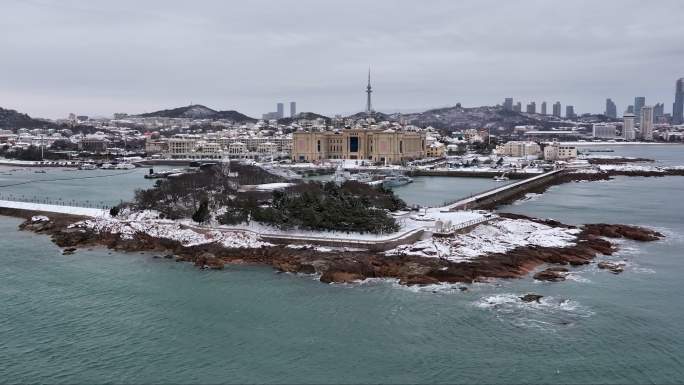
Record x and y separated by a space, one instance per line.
678 106
628 126
639 102
517 107
293 109
557 109
508 104
630 109
658 110
611 109
280 110
570 112
646 122
532 108
543 108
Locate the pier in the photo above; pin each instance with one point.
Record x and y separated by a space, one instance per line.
491 197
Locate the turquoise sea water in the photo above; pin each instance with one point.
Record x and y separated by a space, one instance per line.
99 316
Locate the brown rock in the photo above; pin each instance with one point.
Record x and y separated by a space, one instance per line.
209 261
306 269
613 267
341 277
552 274
420 280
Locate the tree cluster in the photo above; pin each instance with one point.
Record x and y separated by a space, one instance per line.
352 206
314 206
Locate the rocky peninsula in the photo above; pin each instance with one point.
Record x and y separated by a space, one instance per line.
207 220
413 264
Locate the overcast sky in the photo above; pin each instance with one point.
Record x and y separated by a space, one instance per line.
100 57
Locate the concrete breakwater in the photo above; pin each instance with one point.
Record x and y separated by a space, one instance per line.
473 174
504 194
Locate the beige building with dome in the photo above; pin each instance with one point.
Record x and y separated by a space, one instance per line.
382 146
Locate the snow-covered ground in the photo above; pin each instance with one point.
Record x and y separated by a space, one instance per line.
128 225
635 167
409 222
497 236
84 211
629 167
615 143
189 233
273 186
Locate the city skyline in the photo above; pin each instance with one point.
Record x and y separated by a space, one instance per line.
137 61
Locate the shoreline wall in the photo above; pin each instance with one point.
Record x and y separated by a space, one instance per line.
481 174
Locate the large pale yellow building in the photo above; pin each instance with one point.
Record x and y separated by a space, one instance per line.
384 146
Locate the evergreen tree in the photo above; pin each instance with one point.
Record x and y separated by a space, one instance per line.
202 213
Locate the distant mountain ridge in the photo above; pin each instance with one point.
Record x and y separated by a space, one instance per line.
198 111
304 115
458 118
447 118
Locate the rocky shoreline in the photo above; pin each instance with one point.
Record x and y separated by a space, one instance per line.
346 266
618 160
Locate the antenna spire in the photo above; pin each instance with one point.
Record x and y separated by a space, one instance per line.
369 90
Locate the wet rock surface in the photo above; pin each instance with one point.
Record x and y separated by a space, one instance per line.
613 267
552 274
531 298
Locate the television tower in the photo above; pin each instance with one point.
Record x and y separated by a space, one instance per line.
369 90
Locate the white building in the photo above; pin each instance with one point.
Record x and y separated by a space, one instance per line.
604 130
556 151
519 149
646 123
628 126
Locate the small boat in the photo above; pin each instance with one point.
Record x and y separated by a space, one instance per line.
501 178
396 181
107 166
163 174
87 166
362 177
40 171
124 166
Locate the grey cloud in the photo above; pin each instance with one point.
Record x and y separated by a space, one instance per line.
98 57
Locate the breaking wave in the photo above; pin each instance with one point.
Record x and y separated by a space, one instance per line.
547 314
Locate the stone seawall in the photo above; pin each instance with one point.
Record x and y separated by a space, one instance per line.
483 174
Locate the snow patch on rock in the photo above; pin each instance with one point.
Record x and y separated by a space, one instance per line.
497 236
145 222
